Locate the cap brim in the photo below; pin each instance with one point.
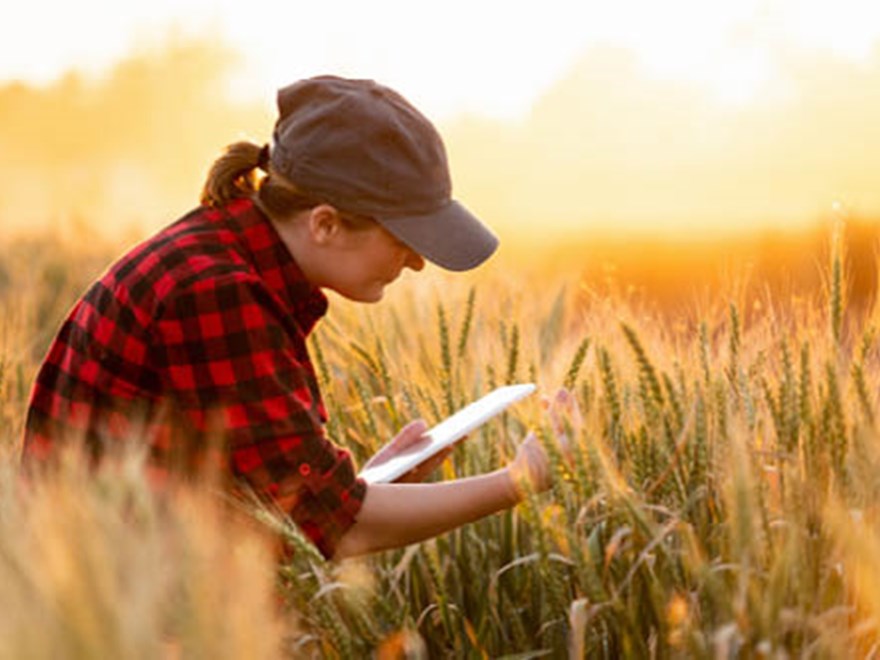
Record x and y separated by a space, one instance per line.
452 237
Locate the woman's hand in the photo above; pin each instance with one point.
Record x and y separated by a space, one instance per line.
410 438
531 468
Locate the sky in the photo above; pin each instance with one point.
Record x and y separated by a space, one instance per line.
494 57
681 115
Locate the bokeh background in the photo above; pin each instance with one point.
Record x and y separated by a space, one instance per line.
659 148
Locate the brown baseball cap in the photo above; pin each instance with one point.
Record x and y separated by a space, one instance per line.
364 148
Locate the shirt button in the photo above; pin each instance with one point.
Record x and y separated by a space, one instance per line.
305 470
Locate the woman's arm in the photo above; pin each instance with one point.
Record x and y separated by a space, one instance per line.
395 515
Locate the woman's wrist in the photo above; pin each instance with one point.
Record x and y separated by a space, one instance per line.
511 486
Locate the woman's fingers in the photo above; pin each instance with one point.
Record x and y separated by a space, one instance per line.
530 465
407 438
410 434
563 411
410 438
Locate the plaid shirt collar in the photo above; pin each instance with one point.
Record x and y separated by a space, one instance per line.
273 261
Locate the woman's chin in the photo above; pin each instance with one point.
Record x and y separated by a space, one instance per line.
365 295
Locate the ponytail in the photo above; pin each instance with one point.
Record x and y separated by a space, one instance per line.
233 174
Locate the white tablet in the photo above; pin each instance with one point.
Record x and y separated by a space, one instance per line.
447 432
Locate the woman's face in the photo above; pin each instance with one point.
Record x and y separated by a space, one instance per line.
367 260
356 262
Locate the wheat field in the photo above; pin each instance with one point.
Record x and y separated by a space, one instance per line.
720 502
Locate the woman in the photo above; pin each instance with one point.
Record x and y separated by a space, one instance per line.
199 333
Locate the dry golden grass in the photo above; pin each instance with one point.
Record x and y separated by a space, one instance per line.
95 565
721 499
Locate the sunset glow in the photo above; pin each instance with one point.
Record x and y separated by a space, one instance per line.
490 57
671 117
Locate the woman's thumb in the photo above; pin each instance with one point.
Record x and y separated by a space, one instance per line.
412 432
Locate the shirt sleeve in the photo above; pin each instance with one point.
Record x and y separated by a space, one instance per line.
235 359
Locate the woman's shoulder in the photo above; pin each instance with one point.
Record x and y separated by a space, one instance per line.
195 248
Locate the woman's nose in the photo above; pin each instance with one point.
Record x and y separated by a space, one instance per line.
414 260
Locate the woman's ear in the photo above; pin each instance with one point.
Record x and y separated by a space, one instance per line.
324 224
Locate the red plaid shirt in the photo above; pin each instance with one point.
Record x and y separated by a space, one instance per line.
201 331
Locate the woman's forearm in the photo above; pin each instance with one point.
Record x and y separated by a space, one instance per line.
395 515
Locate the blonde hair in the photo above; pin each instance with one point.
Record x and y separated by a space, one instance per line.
235 175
